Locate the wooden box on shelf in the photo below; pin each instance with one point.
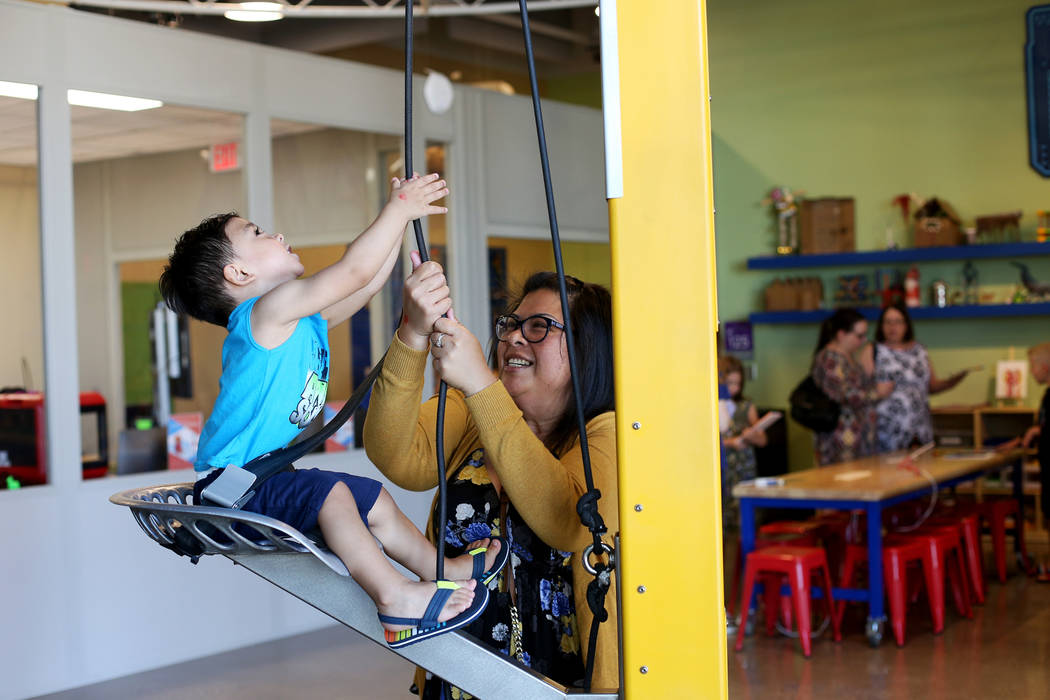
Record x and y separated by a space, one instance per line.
936 231
794 294
826 225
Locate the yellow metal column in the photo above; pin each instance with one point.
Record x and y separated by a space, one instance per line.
665 317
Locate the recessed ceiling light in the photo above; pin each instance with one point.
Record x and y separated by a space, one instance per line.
82 98
102 100
23 91
255 12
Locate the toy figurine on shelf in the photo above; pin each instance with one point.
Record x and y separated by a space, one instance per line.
912 294
889 287
1032 286
1042 228
971 293
852 290
785 208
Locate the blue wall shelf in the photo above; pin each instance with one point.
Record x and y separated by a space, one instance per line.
918 313
904 255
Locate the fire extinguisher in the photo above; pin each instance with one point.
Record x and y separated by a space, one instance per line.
911 288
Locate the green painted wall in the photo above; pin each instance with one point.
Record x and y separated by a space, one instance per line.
870 100
138 300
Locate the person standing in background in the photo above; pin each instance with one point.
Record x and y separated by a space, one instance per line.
903 417
844 370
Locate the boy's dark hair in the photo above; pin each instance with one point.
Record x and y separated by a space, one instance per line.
909 332
590 309
192 282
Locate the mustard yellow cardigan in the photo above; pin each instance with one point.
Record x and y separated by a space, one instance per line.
399 440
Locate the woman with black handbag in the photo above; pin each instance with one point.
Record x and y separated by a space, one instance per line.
845 371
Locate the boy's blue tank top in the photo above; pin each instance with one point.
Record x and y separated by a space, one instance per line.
266 397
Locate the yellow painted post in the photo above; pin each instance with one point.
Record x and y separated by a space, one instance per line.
665 318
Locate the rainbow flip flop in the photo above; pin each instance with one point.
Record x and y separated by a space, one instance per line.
485 577
428 626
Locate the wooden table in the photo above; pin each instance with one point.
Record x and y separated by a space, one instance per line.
872 484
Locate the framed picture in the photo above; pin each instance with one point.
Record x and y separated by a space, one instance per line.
1011 379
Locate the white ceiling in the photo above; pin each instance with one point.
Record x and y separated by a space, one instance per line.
103 134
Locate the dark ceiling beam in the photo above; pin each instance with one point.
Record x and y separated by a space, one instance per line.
320 37
473 31
543 28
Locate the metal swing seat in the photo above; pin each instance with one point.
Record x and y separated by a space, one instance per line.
294 562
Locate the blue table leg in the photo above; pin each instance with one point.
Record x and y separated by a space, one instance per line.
876 614
747 543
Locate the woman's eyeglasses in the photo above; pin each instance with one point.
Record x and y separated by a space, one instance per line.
534 329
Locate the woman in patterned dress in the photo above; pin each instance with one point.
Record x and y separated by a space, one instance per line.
904 416
851 383
514 466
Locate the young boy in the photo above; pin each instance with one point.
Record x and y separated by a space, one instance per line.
274 381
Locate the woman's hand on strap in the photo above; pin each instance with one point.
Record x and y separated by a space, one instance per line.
426 299
458 357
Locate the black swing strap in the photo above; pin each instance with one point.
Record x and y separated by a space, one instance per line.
587 507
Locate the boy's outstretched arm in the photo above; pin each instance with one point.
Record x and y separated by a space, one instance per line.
364 258
344 309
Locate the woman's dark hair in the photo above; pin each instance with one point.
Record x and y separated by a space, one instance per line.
909 333
841 320
728 365
192 282
590 310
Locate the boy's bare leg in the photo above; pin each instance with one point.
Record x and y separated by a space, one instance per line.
403 541
347 536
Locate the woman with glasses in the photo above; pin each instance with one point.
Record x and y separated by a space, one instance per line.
843 368
904 417
513 458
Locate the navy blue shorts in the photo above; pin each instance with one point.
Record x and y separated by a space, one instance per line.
295 497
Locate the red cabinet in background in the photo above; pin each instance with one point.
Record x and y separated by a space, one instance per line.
23 442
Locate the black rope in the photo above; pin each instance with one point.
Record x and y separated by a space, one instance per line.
587 507
421 245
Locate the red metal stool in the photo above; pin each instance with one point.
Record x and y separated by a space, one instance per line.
969 527
799 564
995 512
895 560
939 544
770 538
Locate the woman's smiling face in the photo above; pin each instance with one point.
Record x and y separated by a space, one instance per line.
536 375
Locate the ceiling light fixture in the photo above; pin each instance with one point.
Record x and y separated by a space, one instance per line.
255 12
82 98
23 91
102 100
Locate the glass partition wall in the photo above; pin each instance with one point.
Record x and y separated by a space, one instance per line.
329 184
512 260
23 459
140 179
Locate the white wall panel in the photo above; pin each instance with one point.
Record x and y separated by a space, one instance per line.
515 201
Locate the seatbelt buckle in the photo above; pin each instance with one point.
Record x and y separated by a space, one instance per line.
232 488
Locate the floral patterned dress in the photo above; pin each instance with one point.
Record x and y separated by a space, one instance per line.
847 383
542 578
904 415
738 465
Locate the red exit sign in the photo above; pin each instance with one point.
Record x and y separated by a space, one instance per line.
224 157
